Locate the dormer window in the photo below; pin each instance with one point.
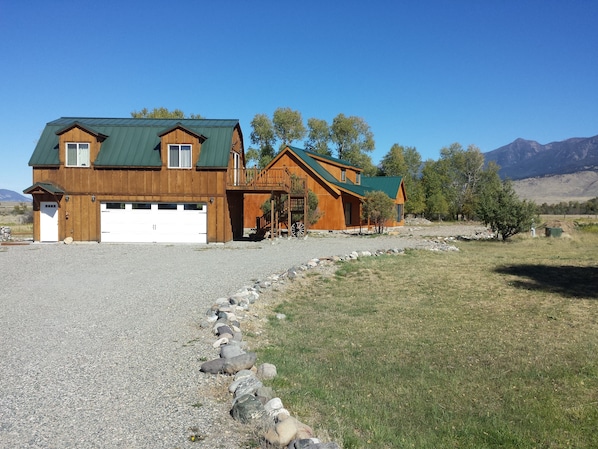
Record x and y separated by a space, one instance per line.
179 156
77 154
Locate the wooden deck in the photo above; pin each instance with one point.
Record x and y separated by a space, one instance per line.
253 180
278 182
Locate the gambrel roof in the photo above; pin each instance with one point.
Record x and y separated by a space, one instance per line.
135 142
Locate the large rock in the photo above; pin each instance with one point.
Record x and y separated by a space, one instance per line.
266 371
224 330
248 409
240 362
230 350
213 366
248 385
287 431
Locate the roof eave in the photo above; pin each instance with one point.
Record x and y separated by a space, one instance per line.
101 137
329 184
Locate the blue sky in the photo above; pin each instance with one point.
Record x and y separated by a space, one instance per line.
423 74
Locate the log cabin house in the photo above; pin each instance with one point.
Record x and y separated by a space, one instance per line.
175 180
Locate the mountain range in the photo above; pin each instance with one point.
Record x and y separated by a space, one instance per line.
12 196
523 159
552 173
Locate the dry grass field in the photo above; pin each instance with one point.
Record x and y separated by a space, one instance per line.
16 220
492 346
581 186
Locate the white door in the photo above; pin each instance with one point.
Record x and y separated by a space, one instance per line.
153 222
48 221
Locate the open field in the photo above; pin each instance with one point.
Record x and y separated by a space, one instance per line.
491 346
20 229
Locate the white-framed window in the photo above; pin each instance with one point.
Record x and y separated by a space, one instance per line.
343 175
77 154
358 178
236 167
179 156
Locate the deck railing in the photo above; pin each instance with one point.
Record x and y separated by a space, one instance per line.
256 179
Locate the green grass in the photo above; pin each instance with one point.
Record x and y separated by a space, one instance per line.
588 227
493 346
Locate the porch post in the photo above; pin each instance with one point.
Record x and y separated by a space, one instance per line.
272 216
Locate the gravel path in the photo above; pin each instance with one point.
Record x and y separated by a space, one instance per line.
100 344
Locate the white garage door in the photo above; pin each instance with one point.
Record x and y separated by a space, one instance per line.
153 222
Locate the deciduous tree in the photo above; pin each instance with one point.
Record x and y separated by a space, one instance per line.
434 181
406 162
318 136
353 138
377 208
501 209
288 126
393 163
262 135
462 169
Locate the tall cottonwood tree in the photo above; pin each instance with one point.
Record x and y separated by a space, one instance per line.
393 163
351 135
406 162
318 136
288 126
462 169
353 139
262 136
434 180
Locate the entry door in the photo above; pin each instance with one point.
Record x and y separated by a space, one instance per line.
347 208
48 221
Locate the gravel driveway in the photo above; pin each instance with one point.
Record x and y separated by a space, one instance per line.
100 345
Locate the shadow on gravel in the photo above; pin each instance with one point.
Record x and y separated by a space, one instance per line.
569 281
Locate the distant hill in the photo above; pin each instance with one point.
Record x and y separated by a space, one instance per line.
524 159
553 189
12 196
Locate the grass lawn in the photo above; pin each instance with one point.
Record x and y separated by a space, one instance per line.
492 346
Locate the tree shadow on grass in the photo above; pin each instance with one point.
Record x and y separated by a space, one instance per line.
569 281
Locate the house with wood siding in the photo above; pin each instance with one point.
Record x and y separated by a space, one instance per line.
178 180
137 180
338 185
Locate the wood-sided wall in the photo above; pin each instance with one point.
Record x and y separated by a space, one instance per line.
79 217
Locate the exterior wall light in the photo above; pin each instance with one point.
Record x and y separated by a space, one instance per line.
93 198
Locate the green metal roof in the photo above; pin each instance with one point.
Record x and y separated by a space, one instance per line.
134 142
313 164
47 186
387 184
331 159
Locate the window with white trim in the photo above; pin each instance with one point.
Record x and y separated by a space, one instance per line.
358 178
343 175
179 156
77 154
